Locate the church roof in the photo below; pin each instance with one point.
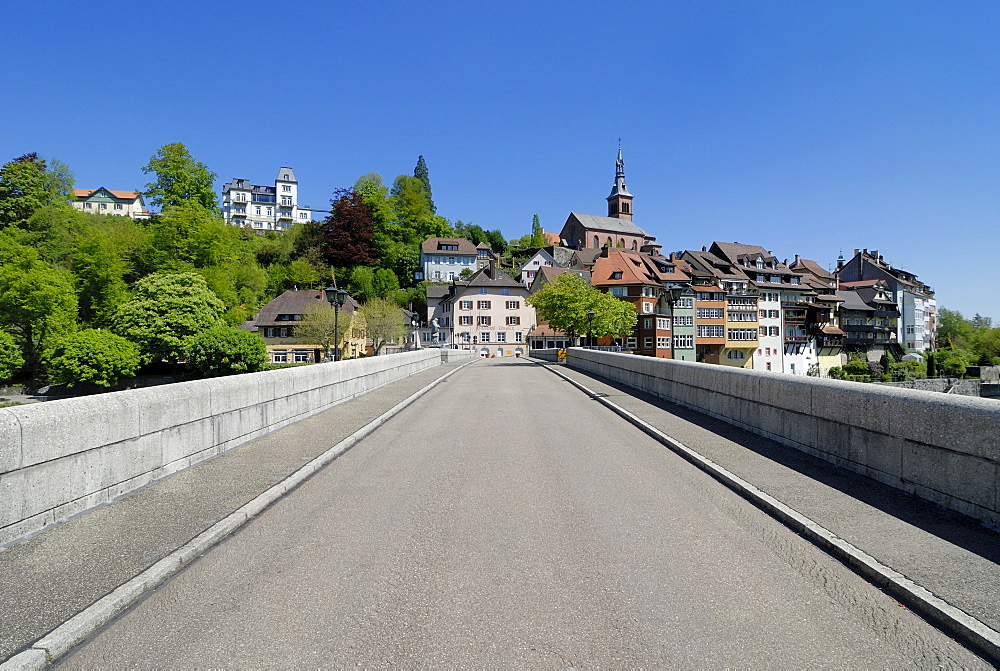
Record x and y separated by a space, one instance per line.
592 222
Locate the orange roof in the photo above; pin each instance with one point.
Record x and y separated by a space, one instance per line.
552 238
125 195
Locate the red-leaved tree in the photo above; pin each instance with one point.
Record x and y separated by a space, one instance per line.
347 236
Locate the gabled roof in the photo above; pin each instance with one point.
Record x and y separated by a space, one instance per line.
592 222
546 274
551 238
807 265
632 267
124 195
545 257
852 301
433 246
734 252
297 303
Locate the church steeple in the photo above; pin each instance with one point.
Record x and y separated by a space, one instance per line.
620 200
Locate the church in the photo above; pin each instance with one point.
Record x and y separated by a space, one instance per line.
590 231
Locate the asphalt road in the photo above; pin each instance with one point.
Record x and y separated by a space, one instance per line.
506 520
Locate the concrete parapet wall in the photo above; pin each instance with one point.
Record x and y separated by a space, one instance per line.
453 355
62 457
546 354
942 448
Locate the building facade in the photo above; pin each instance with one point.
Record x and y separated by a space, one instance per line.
265 208
110 201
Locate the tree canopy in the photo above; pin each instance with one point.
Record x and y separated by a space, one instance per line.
180 180
224 350
164 311
100 357
29 183
565 302
383 323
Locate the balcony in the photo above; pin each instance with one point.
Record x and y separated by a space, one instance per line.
284 214
796 339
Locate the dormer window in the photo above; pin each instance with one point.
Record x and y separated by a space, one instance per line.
760 263
617 275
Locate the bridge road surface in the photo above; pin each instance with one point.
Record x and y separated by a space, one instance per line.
505 519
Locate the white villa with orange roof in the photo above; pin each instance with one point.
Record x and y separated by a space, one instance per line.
110 201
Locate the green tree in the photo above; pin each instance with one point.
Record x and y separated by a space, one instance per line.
537 235
361 284
565 302
99 271
185 236
28 183
385 283
37 302
383 322
100 357
953 330
180 180
321 325
412 212
223 350
165 310
421 173
11 359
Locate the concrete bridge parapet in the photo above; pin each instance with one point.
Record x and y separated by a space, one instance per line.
942 448
63 457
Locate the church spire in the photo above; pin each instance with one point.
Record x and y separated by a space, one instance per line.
620 200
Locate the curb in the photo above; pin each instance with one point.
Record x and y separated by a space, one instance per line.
972 632
78 628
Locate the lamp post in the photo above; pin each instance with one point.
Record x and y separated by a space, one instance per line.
590 327
415 323
475 344
336 298
673 292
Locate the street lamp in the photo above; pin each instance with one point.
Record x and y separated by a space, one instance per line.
673 294
475 344
590 327
336 298
416 324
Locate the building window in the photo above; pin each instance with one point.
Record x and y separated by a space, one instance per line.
684 303
513 321
735 354
484 320
102 206
484 336
518 336
683 320
773 331
617 275
662 323
465 305
119 206
763 330
683 341
647 307
465 320
513 305
711 331
484 305
88 206
647 323
619 291
286 188
302 356
630 342
279 356
710 313
647 342
742 334
662 342
501 336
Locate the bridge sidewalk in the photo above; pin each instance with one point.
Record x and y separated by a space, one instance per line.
54 575
953 557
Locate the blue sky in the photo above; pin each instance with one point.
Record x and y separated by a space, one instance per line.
805 127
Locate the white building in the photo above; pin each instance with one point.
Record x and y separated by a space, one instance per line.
489 313
444 259
109 201
265 208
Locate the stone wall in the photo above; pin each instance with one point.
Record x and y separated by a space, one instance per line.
940 447
62 457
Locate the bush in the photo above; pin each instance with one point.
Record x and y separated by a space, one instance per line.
91 355
223 350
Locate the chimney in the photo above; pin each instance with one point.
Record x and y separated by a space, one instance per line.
704 248
797 259
857 251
